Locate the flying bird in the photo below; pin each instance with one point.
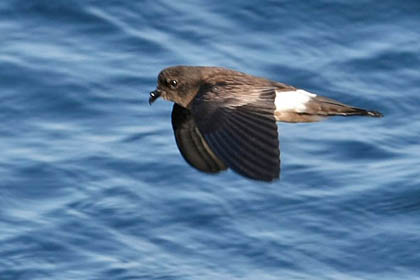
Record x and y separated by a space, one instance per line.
223 118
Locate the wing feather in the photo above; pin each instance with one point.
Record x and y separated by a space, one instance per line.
192 145
239 127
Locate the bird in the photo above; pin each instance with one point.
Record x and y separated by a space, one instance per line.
223 118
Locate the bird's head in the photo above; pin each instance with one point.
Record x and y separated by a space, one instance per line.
178 84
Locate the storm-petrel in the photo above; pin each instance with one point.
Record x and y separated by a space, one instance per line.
223 118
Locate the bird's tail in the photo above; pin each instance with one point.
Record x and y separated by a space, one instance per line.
323 106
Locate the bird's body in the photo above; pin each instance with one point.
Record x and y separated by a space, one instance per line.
225 118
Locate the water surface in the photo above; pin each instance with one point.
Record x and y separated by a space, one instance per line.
93 186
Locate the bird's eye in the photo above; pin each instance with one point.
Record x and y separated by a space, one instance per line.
173 83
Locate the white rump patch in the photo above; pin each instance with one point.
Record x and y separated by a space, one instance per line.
292 101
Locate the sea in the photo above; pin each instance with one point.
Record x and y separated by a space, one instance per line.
92 185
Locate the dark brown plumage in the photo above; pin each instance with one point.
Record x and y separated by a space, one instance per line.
223 118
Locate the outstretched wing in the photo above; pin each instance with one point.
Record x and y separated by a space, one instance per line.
191 143
239 126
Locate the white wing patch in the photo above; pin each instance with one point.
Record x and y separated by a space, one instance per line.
292 101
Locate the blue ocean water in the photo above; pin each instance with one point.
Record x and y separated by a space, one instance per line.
92 183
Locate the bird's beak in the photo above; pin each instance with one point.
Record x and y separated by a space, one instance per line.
154 95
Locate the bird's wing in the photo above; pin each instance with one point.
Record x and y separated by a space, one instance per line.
191 143
238 124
